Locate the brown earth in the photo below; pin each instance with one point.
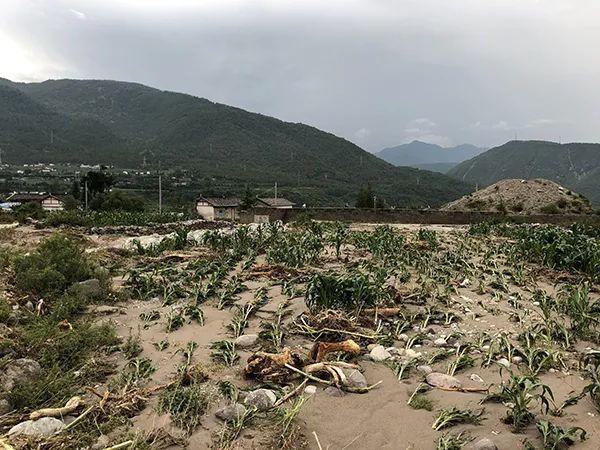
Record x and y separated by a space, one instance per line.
523 197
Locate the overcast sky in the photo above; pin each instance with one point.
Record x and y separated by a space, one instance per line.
377 72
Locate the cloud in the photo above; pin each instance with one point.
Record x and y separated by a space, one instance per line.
362 134
465 70
78 14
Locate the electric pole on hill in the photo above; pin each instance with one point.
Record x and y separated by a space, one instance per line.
159 189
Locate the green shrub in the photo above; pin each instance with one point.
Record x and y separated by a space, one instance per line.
58 262
28 210
347 292
550 208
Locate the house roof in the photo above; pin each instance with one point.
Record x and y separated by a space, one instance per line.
27 197
221 202
276 202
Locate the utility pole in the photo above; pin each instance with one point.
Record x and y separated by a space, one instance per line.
86 195
275 189
159 189
0 156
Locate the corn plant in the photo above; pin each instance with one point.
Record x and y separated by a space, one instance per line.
453 416
521 393
452 441
224 352
557 438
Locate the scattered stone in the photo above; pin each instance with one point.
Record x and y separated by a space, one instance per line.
485 348
45 426
440 342
261 399
246 340
425 370
504 362
88 288
394 351
334 391
371 347
403 337
106 309
411 354
379 353
356 379
442 380
19 371
484 444
4 406
310 390
517 360
231 412
476 378
29 305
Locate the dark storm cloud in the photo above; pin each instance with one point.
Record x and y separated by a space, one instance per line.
378 72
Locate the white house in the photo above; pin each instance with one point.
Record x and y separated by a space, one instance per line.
215 208
47 201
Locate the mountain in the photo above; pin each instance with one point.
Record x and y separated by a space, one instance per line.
118 123
428 156
575 166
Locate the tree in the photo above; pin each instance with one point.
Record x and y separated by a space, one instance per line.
97 182
75 190
117 201
249 199
367 199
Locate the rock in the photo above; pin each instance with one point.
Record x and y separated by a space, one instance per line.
442 380
485 348
411 354
356 379
102 442
517 360
88 288
5 330
246 340
29 305
484 444
403 337
106 309
4 406
504 362
45 426
394 351
334 391
476 378
371 347
261 399
425 370
20 371
440 342
310 390
379 353
231 412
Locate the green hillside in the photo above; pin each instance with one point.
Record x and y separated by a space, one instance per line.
117 123
575 166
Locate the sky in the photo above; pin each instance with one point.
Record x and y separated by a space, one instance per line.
376 72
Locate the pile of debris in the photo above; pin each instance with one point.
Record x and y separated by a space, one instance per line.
537 196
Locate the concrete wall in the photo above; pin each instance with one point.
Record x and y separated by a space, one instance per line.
409 216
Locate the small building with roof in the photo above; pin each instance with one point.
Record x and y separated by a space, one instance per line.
218 208
48 202
276 202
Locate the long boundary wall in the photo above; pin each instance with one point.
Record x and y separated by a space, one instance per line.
407 216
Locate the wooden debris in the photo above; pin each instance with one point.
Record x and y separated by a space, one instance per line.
321 349
69 407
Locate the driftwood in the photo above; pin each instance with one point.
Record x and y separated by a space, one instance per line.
272 366
383 312
321 349
69 407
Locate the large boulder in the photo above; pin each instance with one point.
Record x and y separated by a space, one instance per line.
20 370
379 353
484 444
45 426
246 340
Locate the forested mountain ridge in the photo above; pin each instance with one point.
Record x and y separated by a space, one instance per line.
118 123
575 165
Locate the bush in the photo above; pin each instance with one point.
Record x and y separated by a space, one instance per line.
58 262
29 210
550 208
116 201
